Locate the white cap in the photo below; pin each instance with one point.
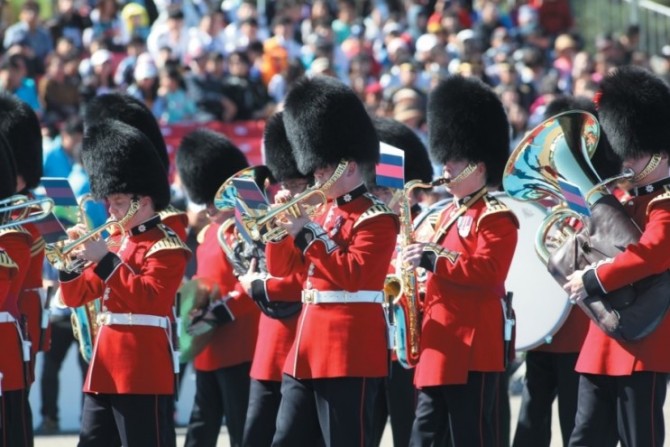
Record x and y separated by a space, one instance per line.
100 56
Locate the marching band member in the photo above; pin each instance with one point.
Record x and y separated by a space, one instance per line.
397 398
550 368
462 345
16 428
132 111
205 160
339 356
275 336
130 380
20 126
622 384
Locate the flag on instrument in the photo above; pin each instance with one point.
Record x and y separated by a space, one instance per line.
574 197
250 201
51 229
59 190
391 168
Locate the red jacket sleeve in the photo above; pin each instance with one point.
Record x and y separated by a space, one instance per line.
160 276
8 271
284 258
648 257
271 289
373 242
78 289
488 265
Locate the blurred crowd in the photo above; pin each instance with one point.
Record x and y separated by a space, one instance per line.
201 60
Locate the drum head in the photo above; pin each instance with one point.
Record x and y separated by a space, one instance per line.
540 304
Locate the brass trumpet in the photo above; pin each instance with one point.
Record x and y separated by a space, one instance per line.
59 253
28 213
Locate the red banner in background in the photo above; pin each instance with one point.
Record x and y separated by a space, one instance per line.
247 135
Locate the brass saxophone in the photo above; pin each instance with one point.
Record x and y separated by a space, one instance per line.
401 290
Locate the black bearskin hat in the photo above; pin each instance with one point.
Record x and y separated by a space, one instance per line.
634 111
326 122
21 128
278 153
205 160
605 161
119 159
466 120
417 162
129 110
7 170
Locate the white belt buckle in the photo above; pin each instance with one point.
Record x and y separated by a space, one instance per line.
308 296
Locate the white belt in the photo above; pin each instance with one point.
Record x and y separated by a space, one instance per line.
108 318
6 317
312 296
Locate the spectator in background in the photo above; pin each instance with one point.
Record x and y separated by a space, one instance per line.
205 86
60 160
555 16
145 82
124 75
58 94
98 79
68 23
135 20
209 34
14 79
29 30
173 105
106 26
250 96
172 34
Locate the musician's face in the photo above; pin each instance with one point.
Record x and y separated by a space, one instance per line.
464 185
118 204
295 186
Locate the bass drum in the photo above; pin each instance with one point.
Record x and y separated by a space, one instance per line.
540 304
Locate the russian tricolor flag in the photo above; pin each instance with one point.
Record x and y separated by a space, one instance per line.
51 229
60 191
391 168
574 197
249 193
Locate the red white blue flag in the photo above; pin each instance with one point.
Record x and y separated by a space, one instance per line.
391 168
574 197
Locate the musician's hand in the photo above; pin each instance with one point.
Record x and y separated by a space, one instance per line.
293 224
76 232
283 196
411 255
93 251
575 286
249 277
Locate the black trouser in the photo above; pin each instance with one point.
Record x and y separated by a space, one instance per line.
264 400
467 411
131 420
218 393
337 409
548 375
397 399
620 408
16 428
62 339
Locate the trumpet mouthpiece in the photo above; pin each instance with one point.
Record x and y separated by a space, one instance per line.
440 181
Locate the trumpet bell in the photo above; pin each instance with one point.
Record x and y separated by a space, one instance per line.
561 146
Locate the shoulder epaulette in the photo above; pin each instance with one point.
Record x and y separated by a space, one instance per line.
494 206
38 246
201 234
169 241
16 229
659 198
6 261
172 211
378 208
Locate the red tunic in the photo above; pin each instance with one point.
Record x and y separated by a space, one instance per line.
462 327
141 278
605 355
353 254
232 343
15 245
275 336
176 220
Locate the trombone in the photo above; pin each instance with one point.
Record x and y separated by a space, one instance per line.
31 210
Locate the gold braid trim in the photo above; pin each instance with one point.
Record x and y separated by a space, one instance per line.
494 206
659 198
172 211
6 261
377 209
38 246
170 241
441 252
